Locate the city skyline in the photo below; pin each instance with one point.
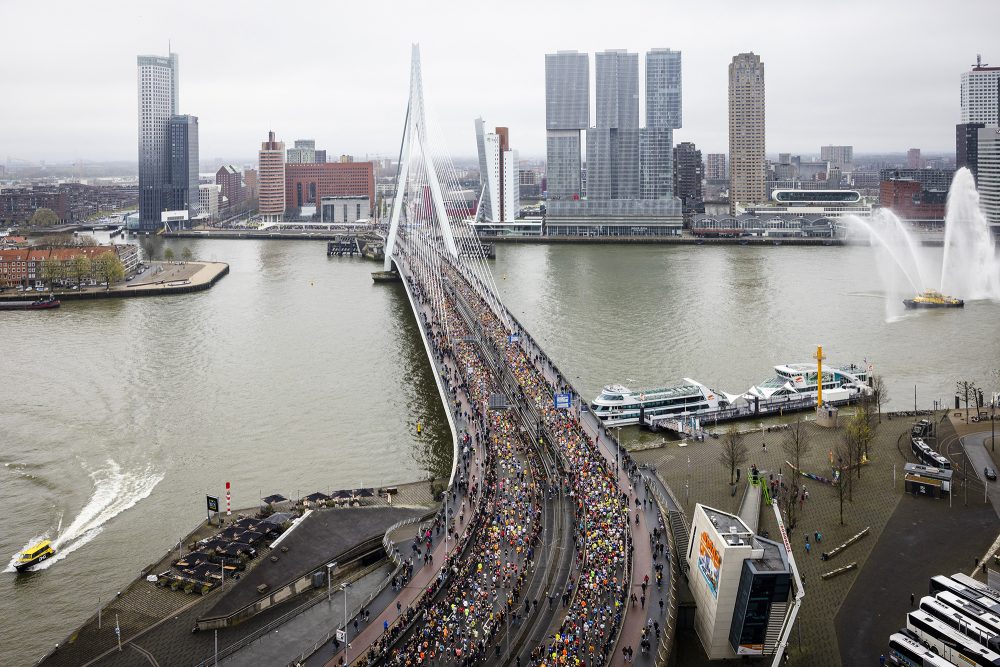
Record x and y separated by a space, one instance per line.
236 106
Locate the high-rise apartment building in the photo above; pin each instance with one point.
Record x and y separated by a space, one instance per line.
567 113
841 157
688 175
184 165
304 152
967 146
747 162
629 175
271 179
715 167
498 169
158 103
913 159
979 95
989 175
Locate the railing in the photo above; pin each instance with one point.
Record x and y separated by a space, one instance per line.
389 546
670 624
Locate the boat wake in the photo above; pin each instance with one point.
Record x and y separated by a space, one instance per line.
114 492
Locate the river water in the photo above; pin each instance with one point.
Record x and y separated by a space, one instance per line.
296 373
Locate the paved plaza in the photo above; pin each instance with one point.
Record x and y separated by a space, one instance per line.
694 473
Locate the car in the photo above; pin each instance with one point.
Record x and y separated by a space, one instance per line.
990 473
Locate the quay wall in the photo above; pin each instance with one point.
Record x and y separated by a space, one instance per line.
123 292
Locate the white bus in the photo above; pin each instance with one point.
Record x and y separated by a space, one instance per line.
941 583
948 643
972 610
959 621
907 652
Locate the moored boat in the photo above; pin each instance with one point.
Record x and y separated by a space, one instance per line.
617 405
38 304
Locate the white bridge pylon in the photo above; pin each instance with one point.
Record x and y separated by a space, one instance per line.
415 130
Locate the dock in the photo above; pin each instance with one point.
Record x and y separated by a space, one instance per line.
695 426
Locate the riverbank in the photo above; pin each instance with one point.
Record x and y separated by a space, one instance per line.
162 278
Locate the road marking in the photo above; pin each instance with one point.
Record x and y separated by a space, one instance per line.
149 656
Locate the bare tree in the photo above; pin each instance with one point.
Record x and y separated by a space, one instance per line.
965 388
880 394
796 443
844 483
857 436
734 451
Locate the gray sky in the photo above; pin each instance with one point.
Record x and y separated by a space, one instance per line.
881 75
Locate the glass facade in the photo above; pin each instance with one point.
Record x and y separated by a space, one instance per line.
656 163
184 165
567 91
562 151
157 84
663 89
757 592
617 78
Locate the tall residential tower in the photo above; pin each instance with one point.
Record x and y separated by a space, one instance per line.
157 83
567 113
498 169
271 179
747 162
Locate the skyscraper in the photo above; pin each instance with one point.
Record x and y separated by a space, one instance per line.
271 179
184 165
567 113
304 152
747 162
688 175
979 94
617 80
663 116
989 175
715 167
967 146
841 157
498 168
157 83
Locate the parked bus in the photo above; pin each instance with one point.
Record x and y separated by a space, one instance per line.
907 652
977 585
968 626
942 583
972 610
948 643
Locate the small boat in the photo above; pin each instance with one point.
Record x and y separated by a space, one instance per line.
933 299
39 304
34 555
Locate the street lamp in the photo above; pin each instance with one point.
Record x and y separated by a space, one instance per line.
347 644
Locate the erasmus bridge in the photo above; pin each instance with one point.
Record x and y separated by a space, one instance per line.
550 529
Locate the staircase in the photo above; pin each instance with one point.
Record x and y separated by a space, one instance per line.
775 623
679 527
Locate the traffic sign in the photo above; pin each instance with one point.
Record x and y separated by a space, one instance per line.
213 503
562 401
341 635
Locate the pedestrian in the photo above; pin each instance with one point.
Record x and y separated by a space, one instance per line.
642 600
911 599
807 547
385 625
881 660
399 608
816 535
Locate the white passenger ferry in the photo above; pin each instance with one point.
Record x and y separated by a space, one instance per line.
619 406
797 381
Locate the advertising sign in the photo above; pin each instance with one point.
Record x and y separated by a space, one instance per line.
213 503
708 562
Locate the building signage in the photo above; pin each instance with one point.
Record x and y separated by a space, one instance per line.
563 401
709 560
513 338
213 503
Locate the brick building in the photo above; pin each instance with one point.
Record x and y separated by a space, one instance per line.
912 201
23 266
308 184
69 201
229 179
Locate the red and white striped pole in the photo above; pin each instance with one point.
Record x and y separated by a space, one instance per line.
229 510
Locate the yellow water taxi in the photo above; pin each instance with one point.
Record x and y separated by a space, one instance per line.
933 299
34 554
